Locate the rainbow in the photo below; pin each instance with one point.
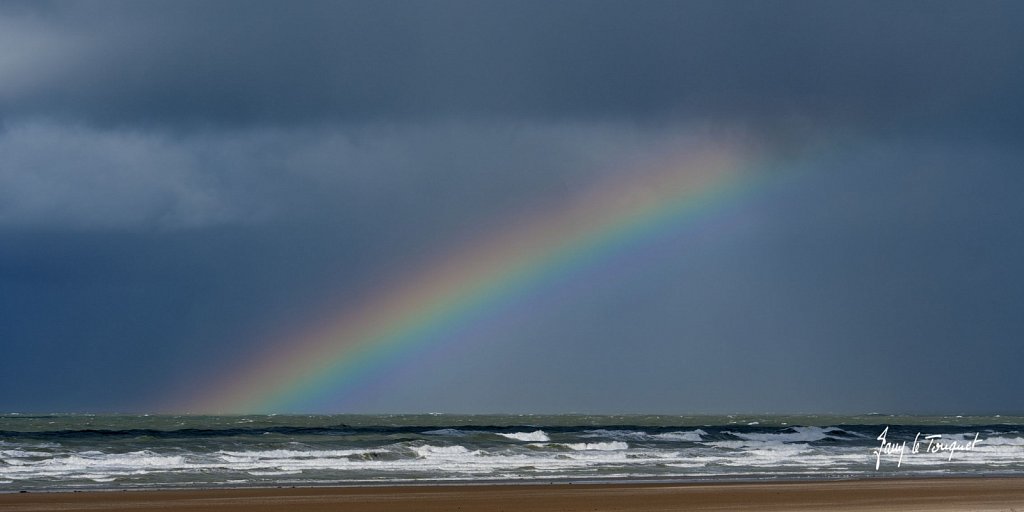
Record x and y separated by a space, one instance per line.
324 363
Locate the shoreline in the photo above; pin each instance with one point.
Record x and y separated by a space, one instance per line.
981 493
640 481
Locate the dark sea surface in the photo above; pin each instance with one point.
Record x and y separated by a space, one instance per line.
70 452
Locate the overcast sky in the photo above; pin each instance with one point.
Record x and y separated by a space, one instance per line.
183 183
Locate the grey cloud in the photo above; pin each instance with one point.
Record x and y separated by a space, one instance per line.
73 176
374 175
886 65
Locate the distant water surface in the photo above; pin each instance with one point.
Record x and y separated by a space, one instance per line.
70 452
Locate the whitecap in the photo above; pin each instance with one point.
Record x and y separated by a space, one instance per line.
102 478
1001 441
427 451
23 453
692 436
535 436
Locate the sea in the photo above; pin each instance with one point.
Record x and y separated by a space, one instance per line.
121 452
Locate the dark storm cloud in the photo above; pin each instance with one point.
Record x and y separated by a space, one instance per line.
381 175
187 114
184 182
886 64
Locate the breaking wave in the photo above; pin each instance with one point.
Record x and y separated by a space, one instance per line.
537 436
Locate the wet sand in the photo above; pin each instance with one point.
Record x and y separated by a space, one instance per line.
940 494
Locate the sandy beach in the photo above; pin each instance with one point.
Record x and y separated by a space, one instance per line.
947 494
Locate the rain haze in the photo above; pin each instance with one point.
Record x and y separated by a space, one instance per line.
189 187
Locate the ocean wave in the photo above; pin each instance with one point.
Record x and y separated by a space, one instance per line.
484 449
453 432
288 454
793 435
141 459
609 446
275 473
22 454
429 451
99 478
767 454
535 436
1000 441
34 445
97 468
692 436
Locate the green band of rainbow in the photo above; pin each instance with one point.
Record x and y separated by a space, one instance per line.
307 371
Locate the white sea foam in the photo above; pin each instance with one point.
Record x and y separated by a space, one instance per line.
23 454
691 436
1001 441
535 436
774 455
17 462
97 467
101 478
132 460
428 451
